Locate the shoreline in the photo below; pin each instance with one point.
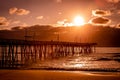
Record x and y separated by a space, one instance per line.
57 75
65 69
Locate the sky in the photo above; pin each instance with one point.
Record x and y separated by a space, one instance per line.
51 12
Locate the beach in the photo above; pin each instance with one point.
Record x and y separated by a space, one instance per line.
56 75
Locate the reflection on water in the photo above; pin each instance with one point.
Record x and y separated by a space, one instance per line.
105 59
79 65
95 61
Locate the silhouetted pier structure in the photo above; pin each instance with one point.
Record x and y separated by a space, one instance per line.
18 53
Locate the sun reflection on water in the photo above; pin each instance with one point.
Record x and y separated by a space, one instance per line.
79 65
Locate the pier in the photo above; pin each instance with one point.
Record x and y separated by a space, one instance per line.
20 53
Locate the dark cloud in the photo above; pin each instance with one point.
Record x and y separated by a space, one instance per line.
101 12
4 23
100 21
16 28
18 11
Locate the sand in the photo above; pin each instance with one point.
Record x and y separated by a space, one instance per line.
56 75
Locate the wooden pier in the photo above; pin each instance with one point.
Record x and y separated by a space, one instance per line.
19 53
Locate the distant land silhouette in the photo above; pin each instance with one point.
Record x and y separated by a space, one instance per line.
102 35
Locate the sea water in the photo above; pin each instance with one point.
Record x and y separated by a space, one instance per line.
105 59
107 49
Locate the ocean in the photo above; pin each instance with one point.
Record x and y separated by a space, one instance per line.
107 49
105 59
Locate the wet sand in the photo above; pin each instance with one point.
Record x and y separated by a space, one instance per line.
56 75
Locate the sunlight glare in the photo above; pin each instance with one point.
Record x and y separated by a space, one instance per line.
79 65
78 21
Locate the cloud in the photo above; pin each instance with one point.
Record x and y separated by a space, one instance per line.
39 17
64 23
4 21
13 10
113 1
118 26
60 23
100 21
18 11
24 25
22 12
101 13
15 22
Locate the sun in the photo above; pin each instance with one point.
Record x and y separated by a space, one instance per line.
78 21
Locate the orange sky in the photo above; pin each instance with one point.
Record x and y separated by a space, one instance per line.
47 12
